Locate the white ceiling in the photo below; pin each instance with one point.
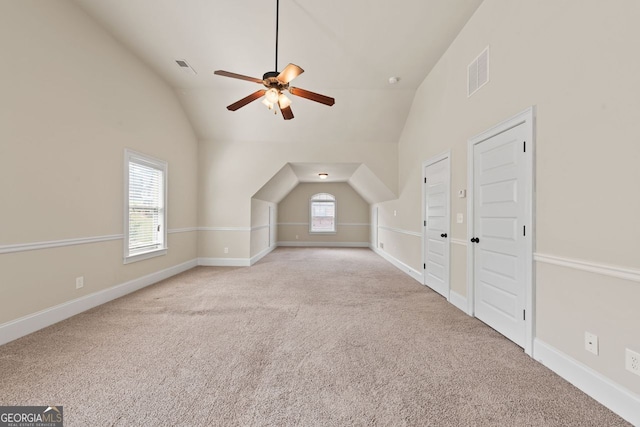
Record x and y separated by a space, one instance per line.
338 172
348 49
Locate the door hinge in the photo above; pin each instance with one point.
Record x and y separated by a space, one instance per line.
524 314
524 146
524 230
425 223
425 180
424 266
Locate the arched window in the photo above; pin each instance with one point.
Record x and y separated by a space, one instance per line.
322 210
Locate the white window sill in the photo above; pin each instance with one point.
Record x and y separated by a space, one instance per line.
145 255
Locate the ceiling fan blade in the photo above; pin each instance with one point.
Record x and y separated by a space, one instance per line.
326 100
237 76
244 101
290 72
287 114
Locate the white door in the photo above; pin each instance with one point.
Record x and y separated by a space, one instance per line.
436 225
501 183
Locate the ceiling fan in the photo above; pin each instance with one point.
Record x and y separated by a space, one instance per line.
275 84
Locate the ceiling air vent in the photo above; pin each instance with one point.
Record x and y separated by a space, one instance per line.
478 72
184 65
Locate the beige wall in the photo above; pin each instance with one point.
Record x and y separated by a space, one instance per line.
72 100
577 62
212 243
352 215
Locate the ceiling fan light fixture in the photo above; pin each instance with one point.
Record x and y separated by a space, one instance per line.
272 95
268 104
283 101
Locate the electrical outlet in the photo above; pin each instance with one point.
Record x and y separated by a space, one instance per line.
459 218
79 282
296 237
381 245
632 361
226 250
591 342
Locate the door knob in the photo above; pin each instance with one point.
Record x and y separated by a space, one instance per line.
443 235
475 240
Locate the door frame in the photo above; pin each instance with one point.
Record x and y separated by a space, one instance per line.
446 156
527 119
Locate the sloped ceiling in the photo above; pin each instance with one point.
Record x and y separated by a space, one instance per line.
278 186
348 49
358 175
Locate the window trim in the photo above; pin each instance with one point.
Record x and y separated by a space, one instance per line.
335 214
131 156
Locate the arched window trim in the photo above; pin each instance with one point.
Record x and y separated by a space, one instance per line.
323 196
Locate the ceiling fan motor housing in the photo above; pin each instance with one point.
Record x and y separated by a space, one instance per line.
270 80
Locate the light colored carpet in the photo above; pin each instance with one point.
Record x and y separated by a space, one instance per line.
306 337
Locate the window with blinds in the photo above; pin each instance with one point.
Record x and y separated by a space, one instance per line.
322 213
145 228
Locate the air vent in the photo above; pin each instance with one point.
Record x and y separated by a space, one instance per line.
478 72
184 65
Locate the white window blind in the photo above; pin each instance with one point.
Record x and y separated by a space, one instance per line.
146 219
323 213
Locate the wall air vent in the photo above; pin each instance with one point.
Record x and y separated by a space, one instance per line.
478 72
184 65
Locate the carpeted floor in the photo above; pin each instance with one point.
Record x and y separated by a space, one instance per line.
306 337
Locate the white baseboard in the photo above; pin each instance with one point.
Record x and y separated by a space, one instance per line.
458 301
324 244
224 262
33 322
261 255
400 265
615 397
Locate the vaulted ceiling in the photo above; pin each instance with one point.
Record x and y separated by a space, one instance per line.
348 49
